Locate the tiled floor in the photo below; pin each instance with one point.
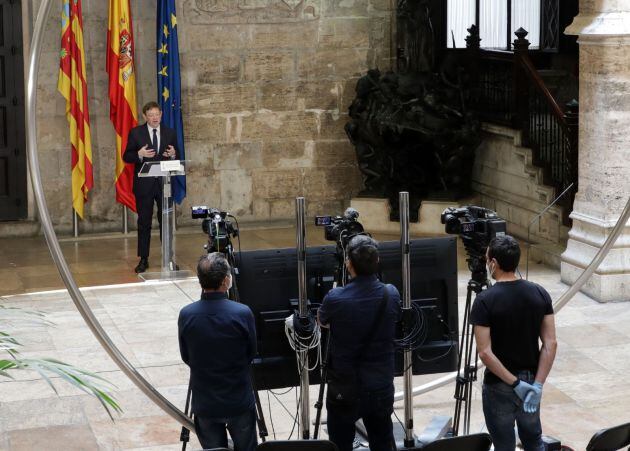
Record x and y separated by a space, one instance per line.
587 389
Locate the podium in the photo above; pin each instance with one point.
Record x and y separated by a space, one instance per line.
164 170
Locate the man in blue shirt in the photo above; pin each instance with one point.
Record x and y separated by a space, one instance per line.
217 340
362 318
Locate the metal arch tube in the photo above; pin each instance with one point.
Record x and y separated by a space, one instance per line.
51 237
86 312
557 306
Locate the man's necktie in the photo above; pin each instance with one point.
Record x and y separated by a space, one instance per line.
155 141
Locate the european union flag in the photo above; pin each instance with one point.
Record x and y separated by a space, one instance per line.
168 83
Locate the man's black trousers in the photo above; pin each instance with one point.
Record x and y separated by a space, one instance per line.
375 408
144 205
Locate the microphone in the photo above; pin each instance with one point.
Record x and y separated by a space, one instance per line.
351 214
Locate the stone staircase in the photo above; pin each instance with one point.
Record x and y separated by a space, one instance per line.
506 181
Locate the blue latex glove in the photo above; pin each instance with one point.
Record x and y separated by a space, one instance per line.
532 400
522 389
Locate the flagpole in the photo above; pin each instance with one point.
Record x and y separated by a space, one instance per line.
75 223
125 220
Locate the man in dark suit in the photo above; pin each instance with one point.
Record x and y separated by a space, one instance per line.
148 142
217 340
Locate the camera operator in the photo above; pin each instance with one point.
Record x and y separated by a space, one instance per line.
217 340
362 318
509 318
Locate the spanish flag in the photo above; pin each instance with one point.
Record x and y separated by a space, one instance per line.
72 85
122 92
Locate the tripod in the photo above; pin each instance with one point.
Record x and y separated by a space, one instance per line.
464 381
341 278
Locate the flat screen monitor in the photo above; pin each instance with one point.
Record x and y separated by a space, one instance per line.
433 284
268 283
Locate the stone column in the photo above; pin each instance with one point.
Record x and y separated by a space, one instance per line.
603 28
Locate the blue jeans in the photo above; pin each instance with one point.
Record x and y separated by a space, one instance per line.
211 431
502 408
375 408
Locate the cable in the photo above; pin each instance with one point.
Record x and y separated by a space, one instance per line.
273 429
418 333
238 237
302 338
298 401
399 421
182 290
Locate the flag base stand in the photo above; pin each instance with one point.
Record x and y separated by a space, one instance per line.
166 275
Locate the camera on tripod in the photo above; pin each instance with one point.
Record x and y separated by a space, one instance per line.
340 228
476 226
219 229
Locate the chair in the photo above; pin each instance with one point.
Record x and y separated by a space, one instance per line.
297 445
610 439
473 442
217 449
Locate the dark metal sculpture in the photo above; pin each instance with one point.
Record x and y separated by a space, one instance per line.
412 130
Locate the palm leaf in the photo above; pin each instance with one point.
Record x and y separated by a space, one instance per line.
85 381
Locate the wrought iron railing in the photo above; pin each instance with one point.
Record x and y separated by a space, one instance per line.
509 90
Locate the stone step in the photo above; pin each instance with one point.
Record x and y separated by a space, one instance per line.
549 254
10 229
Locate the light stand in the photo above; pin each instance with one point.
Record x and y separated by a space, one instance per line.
409 439
303 315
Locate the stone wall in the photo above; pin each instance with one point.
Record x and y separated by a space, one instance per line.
266 86
507 182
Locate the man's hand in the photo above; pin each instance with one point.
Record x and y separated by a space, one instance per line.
532 400
523 389
145 152
170 151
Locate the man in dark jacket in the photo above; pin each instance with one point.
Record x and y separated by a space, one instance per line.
362 318
150 141
217 340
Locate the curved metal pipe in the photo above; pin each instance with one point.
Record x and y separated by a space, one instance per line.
85 311
557 306
51 237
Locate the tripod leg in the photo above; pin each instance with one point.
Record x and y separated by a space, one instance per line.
322 385
260 419
184 435
461 380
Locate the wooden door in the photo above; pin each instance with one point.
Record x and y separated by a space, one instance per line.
13 197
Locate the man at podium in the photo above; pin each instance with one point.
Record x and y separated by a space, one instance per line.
150 141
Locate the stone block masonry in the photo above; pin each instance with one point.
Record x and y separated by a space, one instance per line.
265 89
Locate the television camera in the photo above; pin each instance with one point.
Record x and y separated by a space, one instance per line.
219 229
340 229
476 226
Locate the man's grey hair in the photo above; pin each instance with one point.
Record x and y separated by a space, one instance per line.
212 269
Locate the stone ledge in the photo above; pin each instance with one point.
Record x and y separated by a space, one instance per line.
374 215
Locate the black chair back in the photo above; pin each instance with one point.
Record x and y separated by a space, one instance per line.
473 442
297 445
610 439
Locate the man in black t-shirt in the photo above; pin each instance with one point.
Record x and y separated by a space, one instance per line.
509 318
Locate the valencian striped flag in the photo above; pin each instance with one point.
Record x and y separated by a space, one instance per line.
122 92
72 85
168 82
